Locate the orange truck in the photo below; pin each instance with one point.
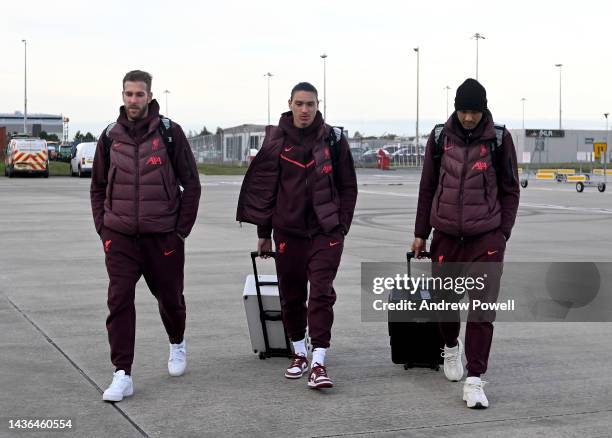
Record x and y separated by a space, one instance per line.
26 155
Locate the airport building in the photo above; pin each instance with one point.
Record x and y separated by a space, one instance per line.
560 146
230 145
35 123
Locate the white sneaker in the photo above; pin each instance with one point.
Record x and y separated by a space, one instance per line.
453 367
473 394
177 362
121 386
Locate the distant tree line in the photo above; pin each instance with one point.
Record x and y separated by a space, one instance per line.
358 134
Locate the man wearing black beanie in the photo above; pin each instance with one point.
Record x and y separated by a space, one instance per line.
469 195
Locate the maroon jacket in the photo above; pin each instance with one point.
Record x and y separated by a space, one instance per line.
141 194
467 196
290 184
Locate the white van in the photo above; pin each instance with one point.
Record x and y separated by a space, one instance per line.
26 155
82 159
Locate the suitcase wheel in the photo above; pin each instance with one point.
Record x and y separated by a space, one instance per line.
408 365
262 355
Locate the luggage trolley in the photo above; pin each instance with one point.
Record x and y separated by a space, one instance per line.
589 183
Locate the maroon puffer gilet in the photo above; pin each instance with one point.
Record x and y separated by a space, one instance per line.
268 202
466 201
142 195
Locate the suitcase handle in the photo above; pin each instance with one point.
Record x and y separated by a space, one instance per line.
255 254
424 254
410 256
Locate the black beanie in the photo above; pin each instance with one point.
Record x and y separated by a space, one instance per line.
471 96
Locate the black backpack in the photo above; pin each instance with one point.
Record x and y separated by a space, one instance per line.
165 130
494 145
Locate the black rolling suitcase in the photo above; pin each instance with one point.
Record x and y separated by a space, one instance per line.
415 339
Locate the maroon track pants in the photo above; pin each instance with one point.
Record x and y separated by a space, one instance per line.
160 258
488 247
308 260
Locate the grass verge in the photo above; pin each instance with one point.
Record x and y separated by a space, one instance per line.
56 168
221 169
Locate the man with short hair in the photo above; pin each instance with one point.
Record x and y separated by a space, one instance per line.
143 218
302 185
469 193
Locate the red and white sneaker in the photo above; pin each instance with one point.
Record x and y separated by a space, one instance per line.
297 368
318 377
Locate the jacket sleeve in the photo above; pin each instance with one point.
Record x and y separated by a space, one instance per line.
187 173
346 185
427 190
508 185
264 231
99 181
257 198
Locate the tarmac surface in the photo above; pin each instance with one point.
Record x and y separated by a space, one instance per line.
546 379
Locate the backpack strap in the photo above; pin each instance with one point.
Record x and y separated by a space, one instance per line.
107 142
165 130
499 134
495 146
334 138
438 143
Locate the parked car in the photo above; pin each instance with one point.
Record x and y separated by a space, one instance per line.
26 155
82 159
64 152
52 152
391 148
357 153
53 147
371 156
403 152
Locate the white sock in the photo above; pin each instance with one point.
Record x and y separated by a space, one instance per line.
299 347
318 356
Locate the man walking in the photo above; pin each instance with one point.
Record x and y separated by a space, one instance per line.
143 218
302 185
469 193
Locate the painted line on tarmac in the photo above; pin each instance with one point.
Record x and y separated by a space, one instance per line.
466 423
403 195
74 364
561 189
522 204
565 208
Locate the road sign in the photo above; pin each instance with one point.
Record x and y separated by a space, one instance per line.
544 133
599 149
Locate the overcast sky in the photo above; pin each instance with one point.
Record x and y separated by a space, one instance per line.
212 56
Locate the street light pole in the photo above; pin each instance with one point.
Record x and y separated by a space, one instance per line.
25 86
606 152
166 92
324 57
447 88
416 141
559 65
523 100
269 75
477 36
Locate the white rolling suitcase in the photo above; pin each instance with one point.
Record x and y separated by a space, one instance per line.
263 312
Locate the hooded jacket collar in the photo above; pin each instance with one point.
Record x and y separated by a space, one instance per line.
300 135
484 131
138 130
